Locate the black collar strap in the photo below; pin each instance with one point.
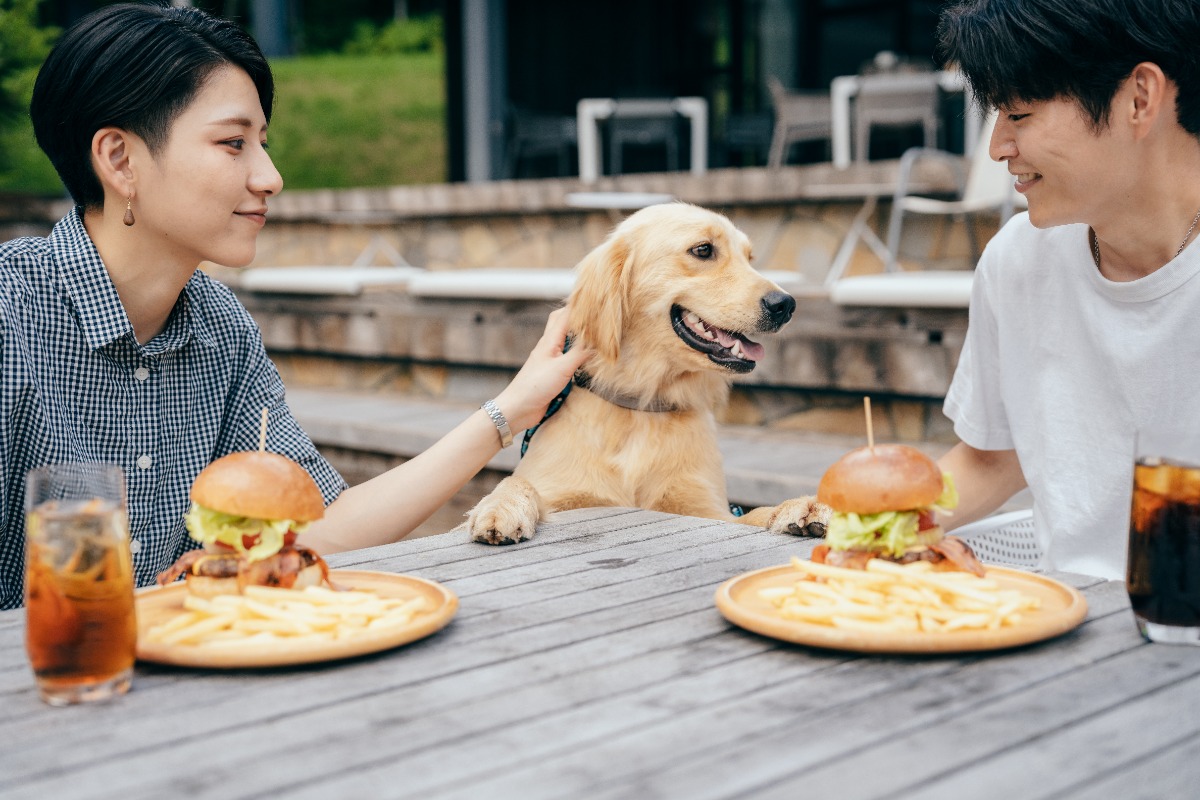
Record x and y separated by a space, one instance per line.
584 381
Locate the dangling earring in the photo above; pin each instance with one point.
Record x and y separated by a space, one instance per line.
128 218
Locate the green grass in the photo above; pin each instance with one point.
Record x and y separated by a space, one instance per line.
339 121
343 121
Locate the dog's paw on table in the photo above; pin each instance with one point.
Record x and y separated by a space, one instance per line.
801 516
508 515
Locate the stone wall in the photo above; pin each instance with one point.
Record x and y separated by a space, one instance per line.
815 372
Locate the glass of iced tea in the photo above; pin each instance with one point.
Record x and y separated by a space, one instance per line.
80 632
1163 575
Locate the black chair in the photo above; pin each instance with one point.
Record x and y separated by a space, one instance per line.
642 131
533 134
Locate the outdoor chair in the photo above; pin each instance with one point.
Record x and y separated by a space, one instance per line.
640 131
896 101
1006 538
799 117
984 186
534 134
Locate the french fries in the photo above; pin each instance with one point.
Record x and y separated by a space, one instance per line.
890 597
266 615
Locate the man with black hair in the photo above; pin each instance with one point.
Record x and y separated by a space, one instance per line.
1082 325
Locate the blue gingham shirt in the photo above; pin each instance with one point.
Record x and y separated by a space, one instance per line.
75 385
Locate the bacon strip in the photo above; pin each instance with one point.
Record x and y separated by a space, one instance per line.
960 553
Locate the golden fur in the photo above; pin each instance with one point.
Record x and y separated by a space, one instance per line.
594 452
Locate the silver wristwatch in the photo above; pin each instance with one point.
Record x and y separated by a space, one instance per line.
499 421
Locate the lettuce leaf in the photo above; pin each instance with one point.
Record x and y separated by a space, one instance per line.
208 527
948 499
891 532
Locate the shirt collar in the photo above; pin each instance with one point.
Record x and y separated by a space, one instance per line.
81 272
98 307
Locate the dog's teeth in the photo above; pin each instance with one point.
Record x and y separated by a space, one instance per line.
692 318
737 348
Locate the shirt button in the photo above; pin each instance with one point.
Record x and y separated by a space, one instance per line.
135 546
141 373
144 462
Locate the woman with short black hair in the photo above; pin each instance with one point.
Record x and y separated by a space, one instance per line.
115 348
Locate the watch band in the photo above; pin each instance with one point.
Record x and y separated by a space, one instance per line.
497 417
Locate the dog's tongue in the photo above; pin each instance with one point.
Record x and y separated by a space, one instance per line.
724 337
752 351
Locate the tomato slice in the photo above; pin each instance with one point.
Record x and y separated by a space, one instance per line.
289 538
925 521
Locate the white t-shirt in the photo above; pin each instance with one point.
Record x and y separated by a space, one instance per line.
1063 366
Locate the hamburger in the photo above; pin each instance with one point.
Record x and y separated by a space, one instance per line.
247 509
884 501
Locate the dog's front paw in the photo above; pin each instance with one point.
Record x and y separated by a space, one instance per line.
508 515
801 516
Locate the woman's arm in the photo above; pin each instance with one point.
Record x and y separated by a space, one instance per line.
984 478
389 506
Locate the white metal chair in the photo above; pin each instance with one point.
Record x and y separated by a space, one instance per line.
896 101
984 186
1005 538
799 117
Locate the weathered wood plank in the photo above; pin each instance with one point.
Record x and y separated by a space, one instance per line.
1169 773
1048 765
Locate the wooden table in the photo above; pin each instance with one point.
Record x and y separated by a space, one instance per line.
591 662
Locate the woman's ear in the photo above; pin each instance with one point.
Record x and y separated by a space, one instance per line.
112 160
598 303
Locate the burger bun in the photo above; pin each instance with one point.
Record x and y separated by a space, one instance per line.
258 485
888 477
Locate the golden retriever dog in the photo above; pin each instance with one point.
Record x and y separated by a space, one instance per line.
668 303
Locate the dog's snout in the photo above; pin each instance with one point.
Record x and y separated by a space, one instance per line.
778 307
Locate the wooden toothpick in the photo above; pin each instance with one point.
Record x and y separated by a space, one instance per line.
870 429
262 431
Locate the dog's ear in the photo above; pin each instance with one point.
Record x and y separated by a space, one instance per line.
601 295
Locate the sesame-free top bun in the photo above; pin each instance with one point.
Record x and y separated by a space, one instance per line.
894 477
258 485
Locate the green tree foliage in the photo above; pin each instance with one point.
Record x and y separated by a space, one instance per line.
23 47
398 37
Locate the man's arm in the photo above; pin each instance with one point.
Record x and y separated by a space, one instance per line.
984 479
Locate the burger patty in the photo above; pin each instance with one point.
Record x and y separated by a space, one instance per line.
950 549
279 569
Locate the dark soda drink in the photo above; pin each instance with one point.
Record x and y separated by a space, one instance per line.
1163 577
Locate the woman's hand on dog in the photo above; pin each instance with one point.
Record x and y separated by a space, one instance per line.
544 374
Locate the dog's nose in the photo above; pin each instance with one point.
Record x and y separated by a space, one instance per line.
779 307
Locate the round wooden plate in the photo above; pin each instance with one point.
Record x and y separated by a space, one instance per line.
1062 609
159 604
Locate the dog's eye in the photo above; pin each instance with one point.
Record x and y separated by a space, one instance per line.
704 250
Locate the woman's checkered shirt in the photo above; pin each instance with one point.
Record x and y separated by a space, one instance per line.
75 385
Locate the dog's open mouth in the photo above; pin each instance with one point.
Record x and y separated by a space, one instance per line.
726 348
